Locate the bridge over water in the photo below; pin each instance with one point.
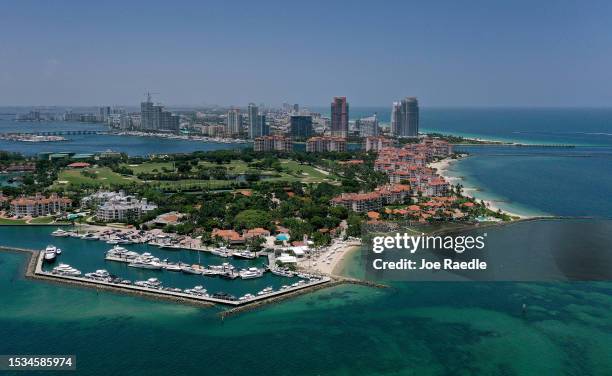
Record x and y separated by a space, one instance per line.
54 133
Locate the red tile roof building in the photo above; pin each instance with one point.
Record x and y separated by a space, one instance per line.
373 201
408 164
79 165
39 205
377 143
273 143
230 236
325 143
255 233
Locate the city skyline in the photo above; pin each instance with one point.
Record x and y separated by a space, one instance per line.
69 56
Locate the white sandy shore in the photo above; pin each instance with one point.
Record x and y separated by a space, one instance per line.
328 259
469 191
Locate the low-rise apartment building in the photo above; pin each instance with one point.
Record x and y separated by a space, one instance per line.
322 144
117 206
39 205
273 143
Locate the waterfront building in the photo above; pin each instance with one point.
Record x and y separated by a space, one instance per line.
234 122
273 143
405 118
375 200
368 126
257 232
257 122
339 117
254 125
230 236
300 126
325 144
359 202
117 206
155 118
39 205
104 113
377 143
211 130
125 122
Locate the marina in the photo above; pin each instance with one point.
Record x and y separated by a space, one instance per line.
178 275
101 277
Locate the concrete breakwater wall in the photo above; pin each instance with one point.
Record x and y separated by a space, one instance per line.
33 270
335 281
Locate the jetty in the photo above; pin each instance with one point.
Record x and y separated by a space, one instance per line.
34 270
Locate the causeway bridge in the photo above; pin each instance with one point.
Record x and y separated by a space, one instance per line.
54 133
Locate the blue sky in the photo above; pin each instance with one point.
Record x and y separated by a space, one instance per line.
448 53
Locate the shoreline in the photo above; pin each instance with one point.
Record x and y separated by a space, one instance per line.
442 168
341 261
329 262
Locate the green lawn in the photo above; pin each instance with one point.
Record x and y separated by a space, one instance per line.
5 221
236 166
42 220
104 178
292 171
306 173
148 167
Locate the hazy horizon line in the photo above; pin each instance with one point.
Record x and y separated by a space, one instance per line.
206 106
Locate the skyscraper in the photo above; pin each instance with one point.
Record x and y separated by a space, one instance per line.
154 118
254 125
234 122
149 115
405 117
367 126
301 126
339 117
105 113
265 129
257 122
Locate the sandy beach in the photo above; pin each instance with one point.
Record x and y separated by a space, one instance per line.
329 259
469 191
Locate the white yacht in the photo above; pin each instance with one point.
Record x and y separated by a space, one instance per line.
60 233
152 283
100 274
251 273
221 252
245 254
226 266
246 297
145 264
50 253
282 272
90 236
191 269
67 270
197 290
172 267
265 291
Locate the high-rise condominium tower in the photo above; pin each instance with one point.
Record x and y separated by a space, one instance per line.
234 122
254 126
257 122
405 117
339 117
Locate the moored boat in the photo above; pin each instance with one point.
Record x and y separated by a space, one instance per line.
50 253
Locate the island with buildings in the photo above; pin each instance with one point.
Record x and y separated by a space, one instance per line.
299 198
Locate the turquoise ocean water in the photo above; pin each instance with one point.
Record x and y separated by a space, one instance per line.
441 328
